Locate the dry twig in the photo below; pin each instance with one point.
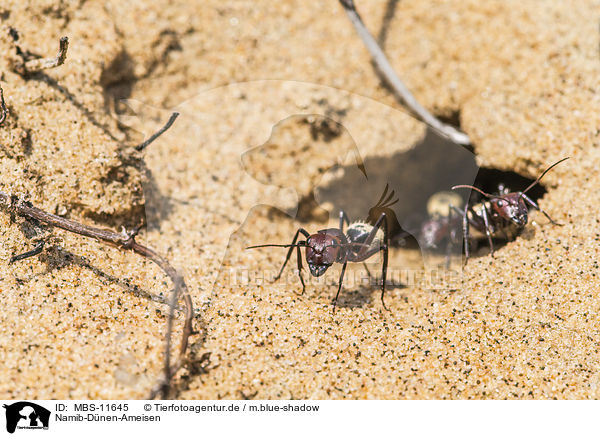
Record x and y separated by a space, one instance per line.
2 107
159 132
125 241
36 65
399 88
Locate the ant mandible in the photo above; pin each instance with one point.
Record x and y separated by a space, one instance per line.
500 213
326 247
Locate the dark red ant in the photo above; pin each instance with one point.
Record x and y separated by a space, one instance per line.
505 213
324 248
442 227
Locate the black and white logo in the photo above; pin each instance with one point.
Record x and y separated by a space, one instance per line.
26 415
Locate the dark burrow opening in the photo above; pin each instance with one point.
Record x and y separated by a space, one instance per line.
488 180
492 181
431 166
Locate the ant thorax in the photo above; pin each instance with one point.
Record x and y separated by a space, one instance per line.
359 231
499 228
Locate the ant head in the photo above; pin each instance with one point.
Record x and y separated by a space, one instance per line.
321 252
511 207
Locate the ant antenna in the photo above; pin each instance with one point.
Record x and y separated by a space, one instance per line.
544 173
299 244
473 187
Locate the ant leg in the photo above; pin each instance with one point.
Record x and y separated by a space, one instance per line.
362 254
299 257
365 253
486 221
448 251
385 264
343 217
36 250
383 219
339 286
535 206
454 209
289 253
466 232
367 270
451 233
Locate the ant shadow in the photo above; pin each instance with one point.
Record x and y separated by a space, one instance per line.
43 77
355 298
364 294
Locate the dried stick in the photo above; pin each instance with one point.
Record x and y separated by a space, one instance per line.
399 88
39 247
36 65
3 107
162 130
125 241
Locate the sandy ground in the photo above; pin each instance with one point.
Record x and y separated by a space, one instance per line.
279 102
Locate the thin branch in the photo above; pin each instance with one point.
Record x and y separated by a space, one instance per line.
3 107
36 250
124 241
36 65
399 88
150 140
